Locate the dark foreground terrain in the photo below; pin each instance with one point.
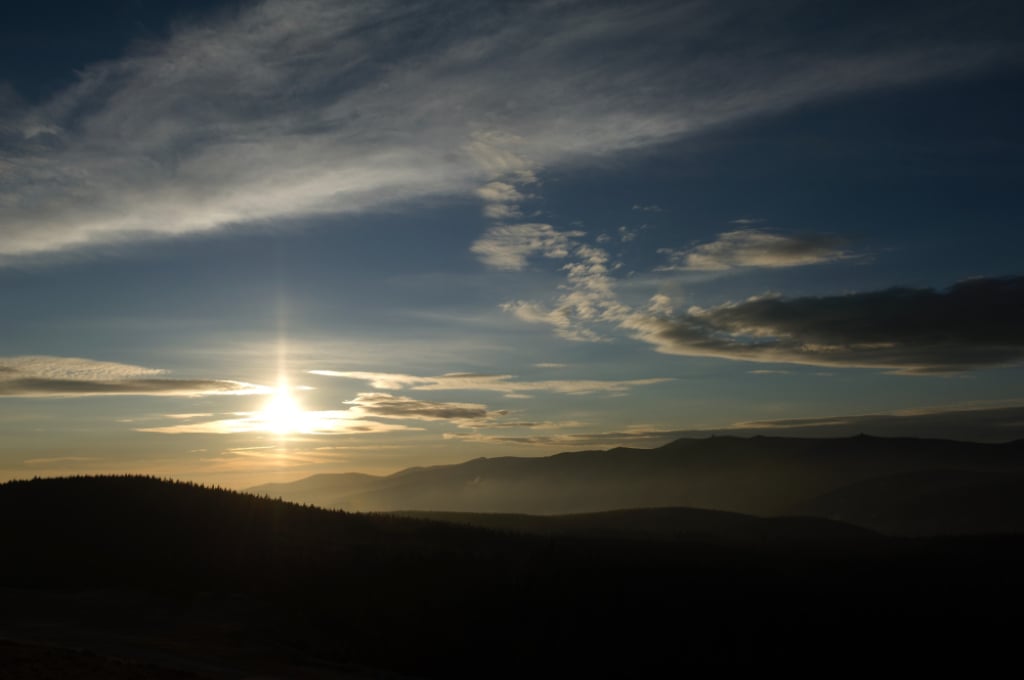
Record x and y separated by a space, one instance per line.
135 577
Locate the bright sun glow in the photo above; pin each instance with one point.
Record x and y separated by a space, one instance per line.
283 414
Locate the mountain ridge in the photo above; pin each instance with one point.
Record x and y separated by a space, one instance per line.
759 475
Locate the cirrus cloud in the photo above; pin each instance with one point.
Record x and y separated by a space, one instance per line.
295 108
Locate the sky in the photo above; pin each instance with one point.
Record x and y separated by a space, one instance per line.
244 242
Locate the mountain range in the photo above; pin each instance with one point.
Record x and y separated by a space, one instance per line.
900 486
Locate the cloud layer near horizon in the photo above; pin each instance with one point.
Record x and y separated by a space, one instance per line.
985 422
286 109
994 422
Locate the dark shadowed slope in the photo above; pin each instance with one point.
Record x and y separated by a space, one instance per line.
759 475
662 523
928 502
225 585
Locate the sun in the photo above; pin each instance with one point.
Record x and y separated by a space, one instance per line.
282 414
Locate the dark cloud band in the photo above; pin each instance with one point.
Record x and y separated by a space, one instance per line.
387 406
975 323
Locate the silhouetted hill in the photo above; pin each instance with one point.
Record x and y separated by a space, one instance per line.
120 527
215 584
759 475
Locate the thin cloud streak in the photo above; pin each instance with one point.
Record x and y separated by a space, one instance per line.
506 384
748 248
343 422
639 435
47 376
381 405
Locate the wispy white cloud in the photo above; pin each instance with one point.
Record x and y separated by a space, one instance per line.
590 298
626 234
508 246
506 384
501 200
291 108
47 376
756 248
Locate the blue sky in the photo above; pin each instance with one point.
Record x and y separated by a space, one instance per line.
254 241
